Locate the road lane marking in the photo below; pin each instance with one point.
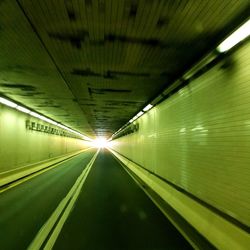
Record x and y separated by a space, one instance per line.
65 215
24 179
61 213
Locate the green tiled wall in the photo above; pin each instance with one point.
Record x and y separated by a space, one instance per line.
199 139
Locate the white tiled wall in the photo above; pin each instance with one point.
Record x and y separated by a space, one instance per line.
199 138
21 147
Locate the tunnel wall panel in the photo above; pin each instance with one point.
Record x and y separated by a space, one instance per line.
199 138
20 147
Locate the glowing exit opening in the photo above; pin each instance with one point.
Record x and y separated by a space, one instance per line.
100 143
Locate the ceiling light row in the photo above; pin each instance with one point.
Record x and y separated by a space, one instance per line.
145 109
41 117
236 37
148 107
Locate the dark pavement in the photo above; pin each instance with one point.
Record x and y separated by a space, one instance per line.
25 208
112 212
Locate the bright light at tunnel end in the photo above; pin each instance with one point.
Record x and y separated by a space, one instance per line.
100 143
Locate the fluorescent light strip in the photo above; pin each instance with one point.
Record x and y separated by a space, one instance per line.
237 36
135 117
34 114
7 102
41 117
48 120
148 107
140 114
22 109
240 34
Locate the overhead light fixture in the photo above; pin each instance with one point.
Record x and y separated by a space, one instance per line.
8 103
237 36
22 109
48 120
148 107
34 114
86 138
52 122
139 114
62 126
41 117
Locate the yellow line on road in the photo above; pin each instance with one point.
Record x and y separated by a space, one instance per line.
61 213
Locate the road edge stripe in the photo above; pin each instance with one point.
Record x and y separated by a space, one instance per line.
61 209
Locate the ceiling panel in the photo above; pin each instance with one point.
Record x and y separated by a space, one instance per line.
101 61
28 74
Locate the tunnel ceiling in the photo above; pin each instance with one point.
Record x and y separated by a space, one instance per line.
93 64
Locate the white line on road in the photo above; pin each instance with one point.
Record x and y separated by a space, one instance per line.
65 205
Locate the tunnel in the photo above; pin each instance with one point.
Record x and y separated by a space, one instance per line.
124 124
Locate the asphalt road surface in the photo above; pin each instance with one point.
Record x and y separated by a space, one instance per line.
106 209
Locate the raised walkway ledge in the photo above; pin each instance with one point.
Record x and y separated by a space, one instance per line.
201 225
8 177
